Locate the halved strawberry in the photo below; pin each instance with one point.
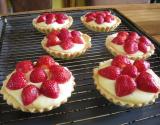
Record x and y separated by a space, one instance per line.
50 89
77 40
130 70
125 85
142 65
130 46
118 40
41 18
142 47
17 81
29 94
147 83
145 40
50 18
67 44
99 19
45 61
60 74
110 72
38 75
24 66
64 34
120 61
75 33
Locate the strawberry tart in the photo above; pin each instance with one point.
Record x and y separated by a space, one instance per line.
66 44
130 44
127 82
46 22
38 87
100 21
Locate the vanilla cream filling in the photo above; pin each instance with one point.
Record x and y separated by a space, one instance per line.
137 96
42 101
120 48
75 48
52 25
105 24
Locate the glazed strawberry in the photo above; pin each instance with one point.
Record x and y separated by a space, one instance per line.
90 18
118 40
45 61
101 13
93 14
60 20
147 83
133 36
53 33
64 34
67 44
61 16
50 18
142 65
130 46
41 18
142 47
108 18
60 74
52 42
120 61
77 40
111 72
75 33
99 19
24 66
123 34
17 81
50 89
38 75
29 94
130 70
145 40
107 12
125 85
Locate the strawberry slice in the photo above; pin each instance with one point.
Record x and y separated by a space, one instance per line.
17 81
130 70
24 66
41 18
99 19
142 65
125 85
147 83
45 61
67 44
64 34
130 46
118 40
75 33
38 75
142 46
77 40
29 94
145 40
50 89
120 61
60 74
50 18
110 72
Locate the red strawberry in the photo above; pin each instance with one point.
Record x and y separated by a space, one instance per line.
90 18
45 61
17 81
123 34
38 75
142 47
93 14
50 89
147 83
145 40
61 16
107 12
60 74
108 18
130 70
142 65
29 94
130 46
101 13
125 85
75 33
118 40
111 72
41 18
60 20
64 34
133 36
53 33
77 40
99 19
52 42
120 61
24 66
67 44
50 18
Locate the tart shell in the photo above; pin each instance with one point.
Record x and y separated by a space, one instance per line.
48 30
101 29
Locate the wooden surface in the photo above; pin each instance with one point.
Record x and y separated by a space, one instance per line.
147 16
